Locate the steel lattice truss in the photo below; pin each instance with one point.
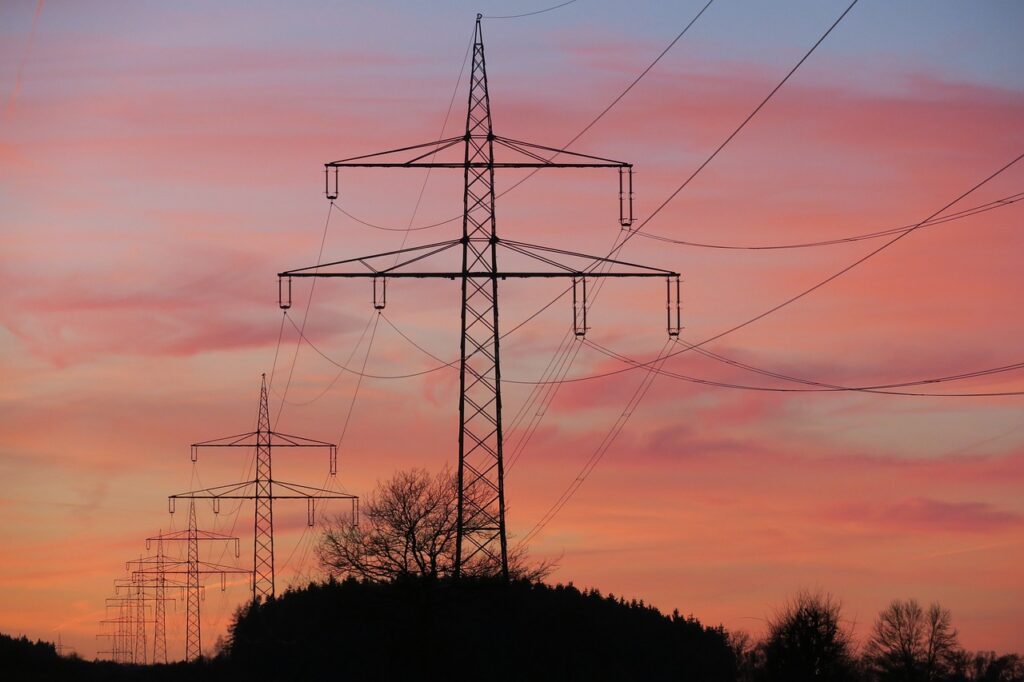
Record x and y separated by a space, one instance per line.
128 641
158 567
481 532
264 489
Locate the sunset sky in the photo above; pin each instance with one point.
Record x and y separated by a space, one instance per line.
161 162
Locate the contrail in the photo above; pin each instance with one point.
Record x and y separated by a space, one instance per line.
21 64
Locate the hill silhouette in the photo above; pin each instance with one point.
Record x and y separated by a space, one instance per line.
24 660
440 628
427 629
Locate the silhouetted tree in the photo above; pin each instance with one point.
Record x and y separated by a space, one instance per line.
749 656
408 528
910 644
806 641
985 666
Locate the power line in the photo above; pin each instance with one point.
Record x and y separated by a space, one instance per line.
359 382
542 396
836 387
553 369
345 368
375 319
566 355
599 452
564 147
656 366
529 14
620 244
966 213
820 387
741 126
662 358
828 279
305 317
341 371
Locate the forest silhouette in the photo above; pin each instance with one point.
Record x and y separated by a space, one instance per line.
392 608
420 627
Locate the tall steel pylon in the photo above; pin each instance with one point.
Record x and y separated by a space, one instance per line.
264 489
481 539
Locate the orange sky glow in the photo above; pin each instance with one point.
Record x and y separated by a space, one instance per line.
159 166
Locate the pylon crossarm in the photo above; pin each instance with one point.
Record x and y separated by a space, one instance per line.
431 149
225 441
531 251
149 577
183 536
204 567
304 491
434 248
434 146
142 570
642 270
524 147
542 259
478 164
278 440
487 274
229 491
284 440
211 567
236 491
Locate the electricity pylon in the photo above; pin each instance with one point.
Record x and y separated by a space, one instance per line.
159 567
157 582
129 638
117 648
116 652
481 532
262 489
137 592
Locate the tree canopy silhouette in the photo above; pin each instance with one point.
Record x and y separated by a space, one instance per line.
407 527
424 628
807 641
912 644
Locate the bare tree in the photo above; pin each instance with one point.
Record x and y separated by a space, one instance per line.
748 653
408 527
807 641
986 666
910 643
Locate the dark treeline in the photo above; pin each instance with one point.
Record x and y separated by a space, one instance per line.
809 639
426 628
22 659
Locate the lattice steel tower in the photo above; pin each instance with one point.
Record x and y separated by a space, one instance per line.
157 568
264 489
481 531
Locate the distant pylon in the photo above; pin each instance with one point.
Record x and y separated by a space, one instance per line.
263 487
160 612
193 568
140 627
129 637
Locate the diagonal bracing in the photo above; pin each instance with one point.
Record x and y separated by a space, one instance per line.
264 489
473 261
